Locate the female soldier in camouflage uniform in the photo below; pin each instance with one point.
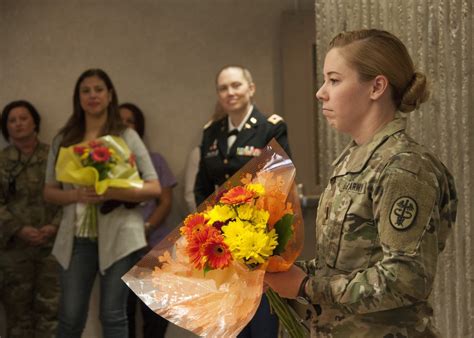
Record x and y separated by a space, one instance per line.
30 290
387 210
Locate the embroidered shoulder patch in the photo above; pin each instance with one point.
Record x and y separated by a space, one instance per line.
403 213
406 208
275 119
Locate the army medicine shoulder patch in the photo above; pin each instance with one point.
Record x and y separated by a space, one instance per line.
403 213
405 208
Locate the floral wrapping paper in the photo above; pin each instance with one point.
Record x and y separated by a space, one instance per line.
219 303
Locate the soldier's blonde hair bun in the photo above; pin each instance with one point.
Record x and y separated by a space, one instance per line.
415 94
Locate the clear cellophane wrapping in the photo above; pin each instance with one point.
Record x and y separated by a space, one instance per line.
218 303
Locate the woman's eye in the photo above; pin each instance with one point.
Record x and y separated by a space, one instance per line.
333 81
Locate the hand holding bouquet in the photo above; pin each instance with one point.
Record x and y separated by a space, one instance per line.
207 275
101 163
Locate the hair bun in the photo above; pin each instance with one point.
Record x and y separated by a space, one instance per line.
415 94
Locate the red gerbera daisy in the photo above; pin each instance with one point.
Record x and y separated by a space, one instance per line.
197 244
100 154
217 253
79 149
193 223
237 195
95 143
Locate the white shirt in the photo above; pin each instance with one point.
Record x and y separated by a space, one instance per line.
231 139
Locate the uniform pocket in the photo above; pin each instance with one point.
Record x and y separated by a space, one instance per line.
334 228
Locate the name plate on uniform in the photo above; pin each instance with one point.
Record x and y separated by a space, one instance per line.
358 187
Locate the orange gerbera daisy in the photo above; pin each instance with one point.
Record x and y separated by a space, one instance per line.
217 253
197 245
192 224
237 195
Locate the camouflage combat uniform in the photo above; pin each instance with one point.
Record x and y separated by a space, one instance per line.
30 287
382 222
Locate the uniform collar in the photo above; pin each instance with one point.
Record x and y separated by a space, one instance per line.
12 153
230 126
361 154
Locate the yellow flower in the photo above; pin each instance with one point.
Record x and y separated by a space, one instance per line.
260 218
257 188
257 246
245 211
221 213
85 154
232 233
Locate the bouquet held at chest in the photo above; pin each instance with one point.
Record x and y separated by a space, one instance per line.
101 163
207 275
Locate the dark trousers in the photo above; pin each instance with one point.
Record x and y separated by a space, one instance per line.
154 326
263 325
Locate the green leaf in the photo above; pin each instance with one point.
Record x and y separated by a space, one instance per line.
285 232
206 269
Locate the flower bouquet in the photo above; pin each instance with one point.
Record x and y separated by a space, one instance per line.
207 275
101 163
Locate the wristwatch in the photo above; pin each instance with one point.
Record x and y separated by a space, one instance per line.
302 297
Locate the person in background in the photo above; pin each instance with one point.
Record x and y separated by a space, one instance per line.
192 165
113 250
155 213
29 277
388 207
227 145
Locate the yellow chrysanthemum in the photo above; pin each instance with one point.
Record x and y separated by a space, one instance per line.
232 233
260 217
257 246
221 213
257 188
245 211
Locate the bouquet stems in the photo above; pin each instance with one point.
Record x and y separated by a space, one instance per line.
291 322
88 226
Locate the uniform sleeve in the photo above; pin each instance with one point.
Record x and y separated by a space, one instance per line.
280 133
144 163
409 203
9 224
203 186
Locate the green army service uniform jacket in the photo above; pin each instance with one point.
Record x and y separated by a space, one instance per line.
382 222
21 197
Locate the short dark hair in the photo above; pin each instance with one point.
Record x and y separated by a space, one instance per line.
15 104
138 116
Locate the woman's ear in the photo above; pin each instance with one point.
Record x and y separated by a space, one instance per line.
252 89
379 87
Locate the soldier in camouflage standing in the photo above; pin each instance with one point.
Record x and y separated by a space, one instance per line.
30 285
387 210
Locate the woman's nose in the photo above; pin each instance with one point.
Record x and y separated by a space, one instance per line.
320 94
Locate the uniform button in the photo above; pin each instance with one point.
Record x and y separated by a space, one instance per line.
227 176
226 161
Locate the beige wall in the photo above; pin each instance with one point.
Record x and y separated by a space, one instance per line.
160 54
